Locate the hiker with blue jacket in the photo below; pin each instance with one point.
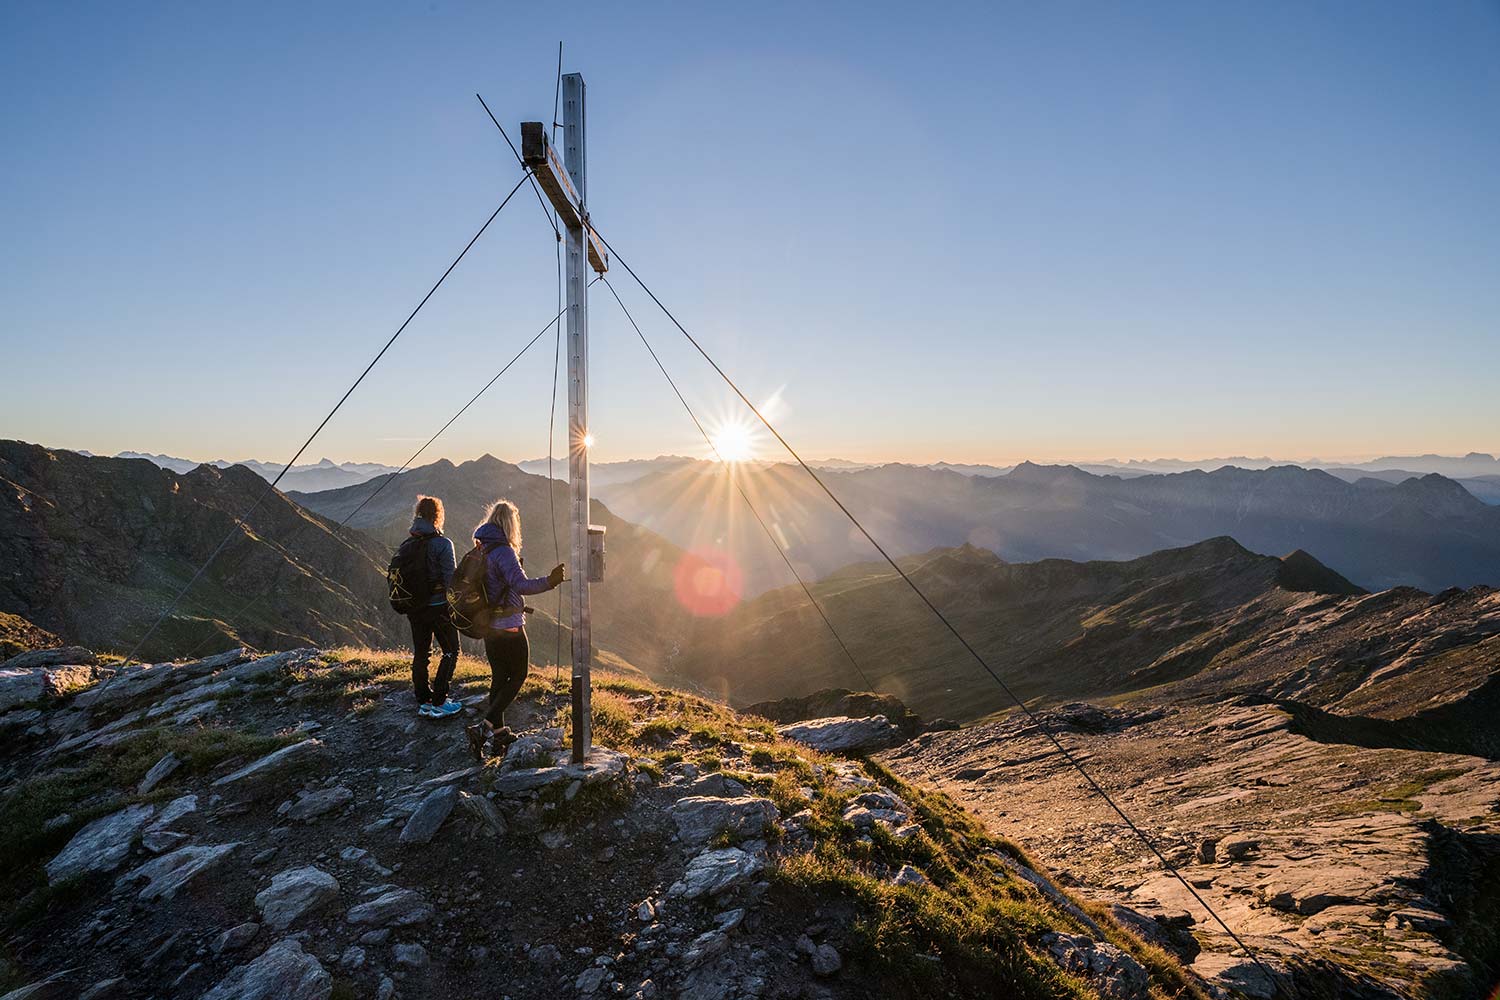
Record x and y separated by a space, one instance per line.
431 619
505 643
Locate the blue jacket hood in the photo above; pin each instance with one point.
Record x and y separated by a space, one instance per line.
490 534
422 526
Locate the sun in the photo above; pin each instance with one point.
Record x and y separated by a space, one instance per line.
734 442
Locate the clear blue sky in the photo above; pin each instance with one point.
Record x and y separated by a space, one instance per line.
1057 231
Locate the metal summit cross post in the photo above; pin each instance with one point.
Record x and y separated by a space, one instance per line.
565 182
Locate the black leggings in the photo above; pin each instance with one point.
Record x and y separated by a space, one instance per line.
508 653
428 624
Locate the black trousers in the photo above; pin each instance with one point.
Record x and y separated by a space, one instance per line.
508 653
426 625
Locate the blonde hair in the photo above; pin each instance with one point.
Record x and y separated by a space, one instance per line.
430 509
504 515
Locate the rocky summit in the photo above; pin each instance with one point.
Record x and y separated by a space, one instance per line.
286 827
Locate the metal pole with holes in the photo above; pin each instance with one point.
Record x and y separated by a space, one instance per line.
575 161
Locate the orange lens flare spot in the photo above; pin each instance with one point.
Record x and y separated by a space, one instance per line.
708 583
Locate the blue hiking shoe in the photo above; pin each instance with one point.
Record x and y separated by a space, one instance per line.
427 711
447 708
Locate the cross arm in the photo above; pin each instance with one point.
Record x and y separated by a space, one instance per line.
538 153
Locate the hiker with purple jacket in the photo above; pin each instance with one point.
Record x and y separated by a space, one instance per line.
505 645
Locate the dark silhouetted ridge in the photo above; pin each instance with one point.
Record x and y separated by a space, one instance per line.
1302 573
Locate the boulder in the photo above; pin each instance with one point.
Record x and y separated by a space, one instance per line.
274 763
845 735
1115 974
101 846
282 972
701 819
531 751
395 908
165 876
294 893
716 871
826 960
430 815
1236 848
310 805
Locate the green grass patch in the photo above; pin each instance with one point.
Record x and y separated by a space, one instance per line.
1402 798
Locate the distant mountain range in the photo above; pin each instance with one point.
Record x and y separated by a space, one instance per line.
1427 532
321 475
1208 620
94 549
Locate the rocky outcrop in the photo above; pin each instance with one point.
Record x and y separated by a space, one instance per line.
844 735
1111 971
1308 850
368 856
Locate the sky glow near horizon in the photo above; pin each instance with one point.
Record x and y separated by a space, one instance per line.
1060 232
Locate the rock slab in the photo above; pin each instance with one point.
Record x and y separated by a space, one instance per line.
701 818
282 972
101 846
165 876
294 893
396 908
716 871
430 815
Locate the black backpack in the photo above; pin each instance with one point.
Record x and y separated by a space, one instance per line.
409 577
469 598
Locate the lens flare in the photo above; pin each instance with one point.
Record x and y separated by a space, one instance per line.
734 442
708 583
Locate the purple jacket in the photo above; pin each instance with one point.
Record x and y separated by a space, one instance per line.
506 581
